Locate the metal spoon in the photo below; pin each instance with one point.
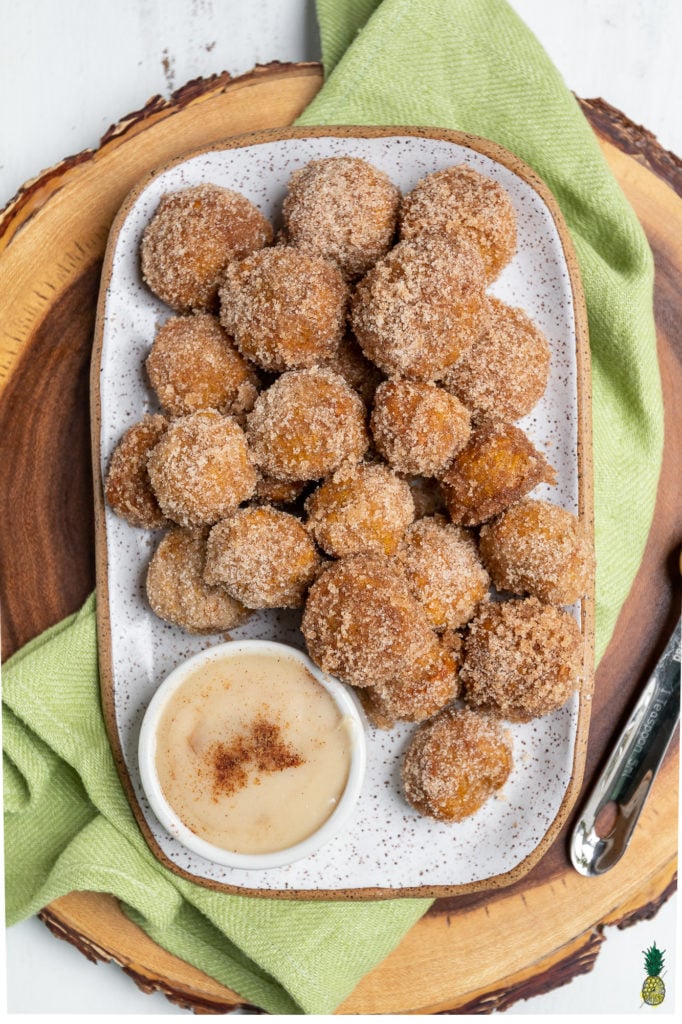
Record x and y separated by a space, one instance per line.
609 816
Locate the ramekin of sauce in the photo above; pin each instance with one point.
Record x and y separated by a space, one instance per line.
250 756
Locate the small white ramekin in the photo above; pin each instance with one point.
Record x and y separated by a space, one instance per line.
349 707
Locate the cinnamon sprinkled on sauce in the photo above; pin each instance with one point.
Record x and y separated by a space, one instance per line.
262 749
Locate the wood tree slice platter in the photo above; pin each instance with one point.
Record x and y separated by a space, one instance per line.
471 953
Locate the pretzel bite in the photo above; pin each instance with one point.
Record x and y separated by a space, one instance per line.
415 697
521 659
277 492
443 570
505 372
456 762
285 308
262 557
306 425
362 624
201 470
418 693
350 362
498 466
421 307
127 487
192 237
540 549
418 427
463 203
194 365
344 209
360 508
177 591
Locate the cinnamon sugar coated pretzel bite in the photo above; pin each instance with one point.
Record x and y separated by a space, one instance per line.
505 371
455 763
521 659
191 238
414 697
360 508
127 487
418 427
201 470
498 466
444 571
262 557
177 591
421 691
277 492
540 549
350 362
285 308
419 309
344 209
306 425
194 365
461 202
362 624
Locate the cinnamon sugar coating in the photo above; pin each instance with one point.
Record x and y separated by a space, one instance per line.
384 705
463 203
191 238
540 549
262 557
455 763
201 469
177 591
419 693
344 209
522 659
360 508
350 362
194 365
418 427
306 425
277 492
127 487
362 624
444 571
285 308
505 371
421 306
498 466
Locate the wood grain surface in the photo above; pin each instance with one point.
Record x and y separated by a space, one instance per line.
521 940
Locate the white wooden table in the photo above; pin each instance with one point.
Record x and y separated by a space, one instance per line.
68 70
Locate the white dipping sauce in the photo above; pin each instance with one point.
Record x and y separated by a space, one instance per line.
252 753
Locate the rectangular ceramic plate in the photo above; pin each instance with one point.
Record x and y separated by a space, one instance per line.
388 849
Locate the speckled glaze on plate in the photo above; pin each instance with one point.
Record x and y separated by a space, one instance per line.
388 849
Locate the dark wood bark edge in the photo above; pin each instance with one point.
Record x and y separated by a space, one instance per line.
147 983
634 139
154 109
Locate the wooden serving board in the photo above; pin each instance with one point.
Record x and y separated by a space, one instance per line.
471 953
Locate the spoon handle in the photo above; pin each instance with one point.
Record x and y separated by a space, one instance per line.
610 814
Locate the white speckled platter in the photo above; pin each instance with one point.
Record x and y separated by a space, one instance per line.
388 849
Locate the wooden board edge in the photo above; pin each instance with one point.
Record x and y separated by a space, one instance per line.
497 153
33 193
633 139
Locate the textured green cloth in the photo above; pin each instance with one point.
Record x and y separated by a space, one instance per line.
467 64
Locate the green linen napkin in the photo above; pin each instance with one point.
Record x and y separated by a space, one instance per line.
468 64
